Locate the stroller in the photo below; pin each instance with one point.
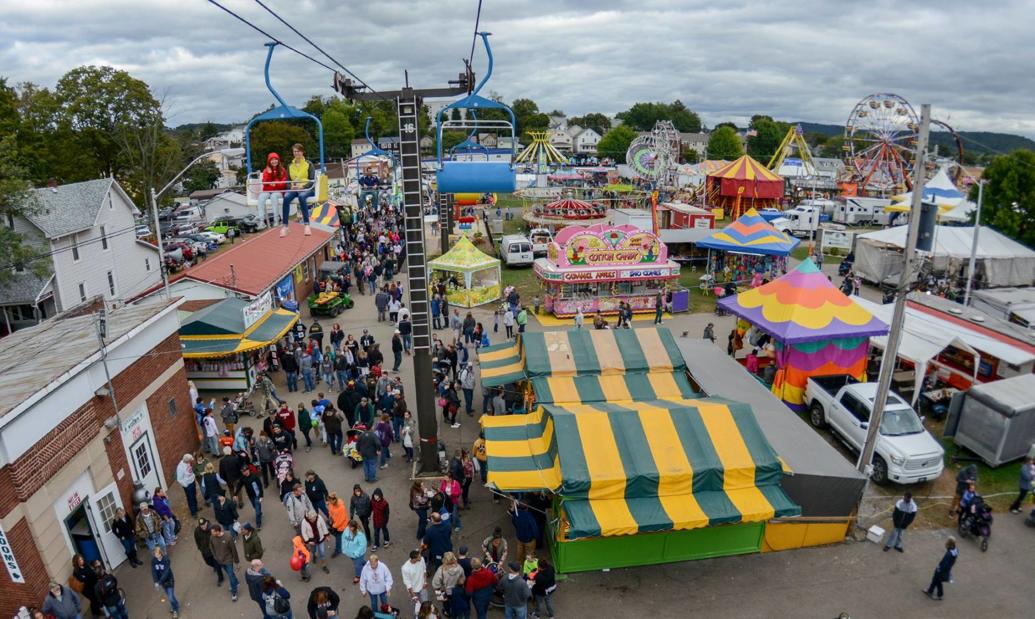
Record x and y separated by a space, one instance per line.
976 521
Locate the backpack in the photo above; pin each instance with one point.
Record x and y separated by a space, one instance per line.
275 604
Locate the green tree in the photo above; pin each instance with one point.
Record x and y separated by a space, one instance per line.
277 137
643 116
690 156
615 142
338 131
1009 196
528 117
767 138
832 147
49 148
595 120
201 176
208 130
727 124
98 102
723 143
16 199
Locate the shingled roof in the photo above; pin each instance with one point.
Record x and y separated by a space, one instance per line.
65 209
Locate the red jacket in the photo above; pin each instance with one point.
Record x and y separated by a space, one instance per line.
274 180
479 579
380 512
286 419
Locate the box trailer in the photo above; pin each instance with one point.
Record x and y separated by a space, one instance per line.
995 420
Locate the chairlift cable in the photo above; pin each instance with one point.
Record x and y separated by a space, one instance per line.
474 37
271 37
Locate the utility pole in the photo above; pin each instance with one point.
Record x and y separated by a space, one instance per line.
102 332
408 103
158 241
974 243
887 366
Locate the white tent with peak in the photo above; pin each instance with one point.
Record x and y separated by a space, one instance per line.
953 207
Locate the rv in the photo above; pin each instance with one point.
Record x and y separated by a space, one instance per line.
802 220
862 212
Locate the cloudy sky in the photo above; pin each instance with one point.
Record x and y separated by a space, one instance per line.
807 60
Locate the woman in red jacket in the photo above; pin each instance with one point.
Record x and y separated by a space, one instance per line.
274 182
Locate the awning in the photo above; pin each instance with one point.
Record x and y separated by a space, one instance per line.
501 364
612 388
579 352
643 466
264 332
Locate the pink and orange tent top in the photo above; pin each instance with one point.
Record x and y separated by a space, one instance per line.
747 177
803 306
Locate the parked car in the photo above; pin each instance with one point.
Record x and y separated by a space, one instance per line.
516 250
186 251
198 247
209 244
223 225
905 453
541 239
251 223
181 228
166 214
143 231
218 238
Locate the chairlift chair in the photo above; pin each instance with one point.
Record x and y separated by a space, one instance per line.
281 112
476 176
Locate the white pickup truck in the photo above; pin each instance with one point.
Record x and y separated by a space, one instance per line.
906 453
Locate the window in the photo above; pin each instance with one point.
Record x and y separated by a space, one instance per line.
172 407
147 264
857 408
104 237
111 283
75 248
82 291
107 506
142 458
10 221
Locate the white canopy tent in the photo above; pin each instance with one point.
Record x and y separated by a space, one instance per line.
1001 260
925 336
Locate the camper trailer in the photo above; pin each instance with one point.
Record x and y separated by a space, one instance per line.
801 221
862 212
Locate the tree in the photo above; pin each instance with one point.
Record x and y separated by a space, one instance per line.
643 116
767 137
595 120
202 175
277 137
528 117
615 142
97 102
690 156
16 199
338 131
149 155
1009 196
726 124
724 144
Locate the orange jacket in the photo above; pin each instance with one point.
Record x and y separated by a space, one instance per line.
339 515
299 547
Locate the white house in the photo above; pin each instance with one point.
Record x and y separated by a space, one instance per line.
697 142
558 122
87 232
585 141
360 147
560 140
228 204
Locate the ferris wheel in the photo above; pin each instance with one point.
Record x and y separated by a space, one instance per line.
880 135
653 156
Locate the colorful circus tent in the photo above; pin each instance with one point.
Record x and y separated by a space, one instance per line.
953 207
743 184
644 470
816 329
748 246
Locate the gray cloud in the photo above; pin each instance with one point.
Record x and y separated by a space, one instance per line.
809 60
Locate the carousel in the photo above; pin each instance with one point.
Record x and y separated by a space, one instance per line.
597 268
565 212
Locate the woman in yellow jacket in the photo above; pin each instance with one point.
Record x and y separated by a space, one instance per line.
303 185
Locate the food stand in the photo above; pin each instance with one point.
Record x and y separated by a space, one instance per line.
223 344
472 277
597 267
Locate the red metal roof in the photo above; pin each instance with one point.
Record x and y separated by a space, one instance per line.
259 262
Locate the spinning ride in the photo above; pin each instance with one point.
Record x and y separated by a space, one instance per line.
540 153
654 157
567 211
880 136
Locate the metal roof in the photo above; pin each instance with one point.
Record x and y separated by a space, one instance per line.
57 346
69 208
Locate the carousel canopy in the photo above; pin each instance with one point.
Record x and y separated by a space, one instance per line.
747 177
804 306
463 257
573 209
750 234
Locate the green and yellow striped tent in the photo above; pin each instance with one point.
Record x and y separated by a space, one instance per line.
581 352
640 466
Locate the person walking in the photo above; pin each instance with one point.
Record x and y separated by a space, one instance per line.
467 385
448 575
376 581
251 543
188 481
379 510
508 322
226 514
419 504
314 533
438 539
122 527
943 573
298 505
162 575
253 578
354 545
149 527
480 585
515 593
369 446
525 529
253 490
267 454
415 577
224 553
275 604
659 307
211 433
203 540
290 365
360 508
1027 477
522 319
323 603
901 518
108 594
964 478
338 521
545 583
316 490
62 602
397 350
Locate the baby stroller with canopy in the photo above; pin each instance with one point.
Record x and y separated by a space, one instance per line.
976 521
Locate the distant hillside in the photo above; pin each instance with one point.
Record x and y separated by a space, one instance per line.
975 142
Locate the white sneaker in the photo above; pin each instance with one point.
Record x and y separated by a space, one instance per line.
308 231
283 231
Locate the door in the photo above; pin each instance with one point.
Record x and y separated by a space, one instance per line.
100 509
855 423
145 469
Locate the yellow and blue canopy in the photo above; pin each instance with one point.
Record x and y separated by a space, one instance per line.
750 234
639 466
219 330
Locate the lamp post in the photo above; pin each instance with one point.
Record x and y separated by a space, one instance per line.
154 208
974 243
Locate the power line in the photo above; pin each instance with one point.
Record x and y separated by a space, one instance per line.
474 37
271 37
318 48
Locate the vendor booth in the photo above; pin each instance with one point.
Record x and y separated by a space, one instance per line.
472 277
224 344
642 470
815 329
748 250
598 267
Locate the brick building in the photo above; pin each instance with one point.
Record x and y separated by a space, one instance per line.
68 456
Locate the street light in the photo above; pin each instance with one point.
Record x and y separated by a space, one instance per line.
974 243
154 206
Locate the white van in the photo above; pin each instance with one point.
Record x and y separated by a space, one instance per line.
516 250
